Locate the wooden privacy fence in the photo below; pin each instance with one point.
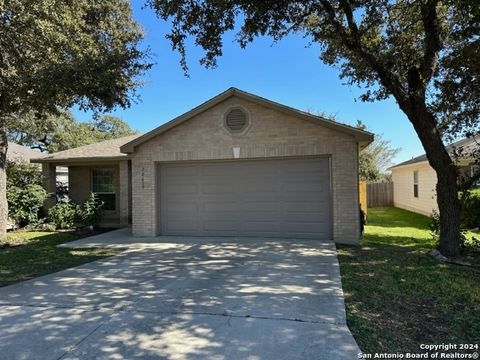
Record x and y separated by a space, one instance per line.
380 194
362 188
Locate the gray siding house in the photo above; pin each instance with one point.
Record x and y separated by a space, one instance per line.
237 165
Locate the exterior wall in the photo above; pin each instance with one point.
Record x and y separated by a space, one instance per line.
403 188
49 184
271 134
80 187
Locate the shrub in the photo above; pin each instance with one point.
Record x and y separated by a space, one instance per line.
21 174
471 212
63 215
25 202
91 212
25 194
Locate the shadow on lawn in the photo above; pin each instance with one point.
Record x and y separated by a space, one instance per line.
38 255
398 298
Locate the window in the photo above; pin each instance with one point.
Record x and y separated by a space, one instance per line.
475 171
415 183
103 185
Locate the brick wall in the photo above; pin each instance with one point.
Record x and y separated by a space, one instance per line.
271 134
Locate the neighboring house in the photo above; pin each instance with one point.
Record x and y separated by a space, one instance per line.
19 153
237 165
414 181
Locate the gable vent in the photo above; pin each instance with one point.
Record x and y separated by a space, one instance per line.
236 120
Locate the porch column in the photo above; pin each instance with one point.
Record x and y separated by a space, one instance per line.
123 182
49 179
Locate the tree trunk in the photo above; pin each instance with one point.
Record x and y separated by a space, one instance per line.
447 174
3 180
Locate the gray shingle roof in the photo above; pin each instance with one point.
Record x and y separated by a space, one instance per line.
18 153
468 145
104 150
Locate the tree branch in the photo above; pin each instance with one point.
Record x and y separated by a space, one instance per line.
433 43
352 41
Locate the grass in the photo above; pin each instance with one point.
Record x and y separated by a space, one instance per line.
397 297
33 254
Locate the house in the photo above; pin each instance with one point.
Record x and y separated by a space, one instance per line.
19 153
414 181
236 165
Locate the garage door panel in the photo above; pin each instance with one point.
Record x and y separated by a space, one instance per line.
219 206
182 207
183 189
182 225
255 227
303 206
259 206
218 188
220 225
261 216
278 198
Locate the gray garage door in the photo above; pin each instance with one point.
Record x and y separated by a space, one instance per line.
271 198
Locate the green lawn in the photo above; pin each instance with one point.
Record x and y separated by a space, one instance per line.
35 253
397 297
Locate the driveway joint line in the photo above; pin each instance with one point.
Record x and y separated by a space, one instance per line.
71 348
236 316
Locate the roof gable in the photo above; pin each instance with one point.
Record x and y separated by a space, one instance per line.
361 136
469 145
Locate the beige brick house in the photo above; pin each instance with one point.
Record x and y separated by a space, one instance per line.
236 165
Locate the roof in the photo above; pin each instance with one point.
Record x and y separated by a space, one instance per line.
105 150
18 153
468 145
363 137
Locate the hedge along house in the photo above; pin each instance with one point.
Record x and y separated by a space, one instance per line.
237 165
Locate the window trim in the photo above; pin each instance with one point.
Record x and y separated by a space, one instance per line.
114 169
415 183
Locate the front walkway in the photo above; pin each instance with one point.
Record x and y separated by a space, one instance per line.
183 298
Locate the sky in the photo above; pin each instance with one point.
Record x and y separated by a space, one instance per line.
289 72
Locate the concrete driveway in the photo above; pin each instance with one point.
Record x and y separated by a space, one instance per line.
183 298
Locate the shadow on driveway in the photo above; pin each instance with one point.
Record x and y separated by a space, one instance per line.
185 298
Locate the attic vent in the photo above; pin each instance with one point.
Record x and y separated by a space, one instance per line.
236 120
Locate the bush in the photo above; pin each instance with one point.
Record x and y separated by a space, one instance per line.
25 202
22 173
471 212
63 215
91 212
25 194
66 214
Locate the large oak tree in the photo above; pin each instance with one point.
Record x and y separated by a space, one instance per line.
54 54
423 53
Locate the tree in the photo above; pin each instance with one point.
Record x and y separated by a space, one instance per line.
56 54
61 131
375 158
423 53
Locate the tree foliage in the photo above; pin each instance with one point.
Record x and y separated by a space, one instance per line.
423 53
61 131
54 54
376 158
